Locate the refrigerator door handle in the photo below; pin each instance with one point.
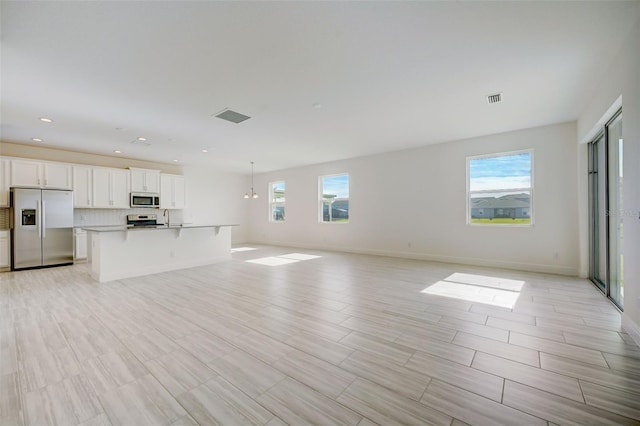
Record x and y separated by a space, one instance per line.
42 223
39 218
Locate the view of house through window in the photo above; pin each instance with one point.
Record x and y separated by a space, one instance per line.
276 201
500 189
334 198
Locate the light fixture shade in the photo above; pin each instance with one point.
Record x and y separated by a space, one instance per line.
253 193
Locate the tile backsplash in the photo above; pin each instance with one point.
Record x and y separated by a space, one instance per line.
106 217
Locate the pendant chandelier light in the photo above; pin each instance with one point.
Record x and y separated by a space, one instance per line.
251 194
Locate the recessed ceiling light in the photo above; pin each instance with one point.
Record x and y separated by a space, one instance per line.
205 150
142 139
117 151
46 120
175 161
36 139
317 105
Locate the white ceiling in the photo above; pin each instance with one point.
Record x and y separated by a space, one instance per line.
388 75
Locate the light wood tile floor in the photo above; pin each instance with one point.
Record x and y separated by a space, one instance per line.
332 339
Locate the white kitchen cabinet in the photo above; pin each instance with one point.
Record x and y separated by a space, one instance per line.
38 174
145 180
5 249
101 187
172 191
57 176
82 187
79 244
4 182
26 173
110 188
121 189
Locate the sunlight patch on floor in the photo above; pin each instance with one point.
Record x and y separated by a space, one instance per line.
239 249
299 256
478 288
272 261
283 259
486 281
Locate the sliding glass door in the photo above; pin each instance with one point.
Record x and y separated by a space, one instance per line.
597 211
606 212
616 211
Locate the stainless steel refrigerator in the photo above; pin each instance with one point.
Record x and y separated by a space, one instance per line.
41 227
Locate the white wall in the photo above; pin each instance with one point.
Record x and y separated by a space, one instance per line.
418 197
621 78
217 198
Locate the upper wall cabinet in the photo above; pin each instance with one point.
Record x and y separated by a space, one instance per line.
57 176
40 175
82 187
110 188
172 191
4 182
26 173
145 180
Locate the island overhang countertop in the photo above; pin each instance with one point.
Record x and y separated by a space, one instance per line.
122 228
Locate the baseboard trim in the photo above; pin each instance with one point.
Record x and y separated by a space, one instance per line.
631 328
529 267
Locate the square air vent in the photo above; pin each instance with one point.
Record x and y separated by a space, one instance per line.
232 116
494 99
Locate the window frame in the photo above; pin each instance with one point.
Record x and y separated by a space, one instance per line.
469 159
273 203
321 199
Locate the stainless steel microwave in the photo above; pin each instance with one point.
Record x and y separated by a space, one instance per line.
145 199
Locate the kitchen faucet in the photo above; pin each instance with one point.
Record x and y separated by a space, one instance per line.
167 213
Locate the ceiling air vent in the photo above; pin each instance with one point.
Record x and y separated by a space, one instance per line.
232 116
494 99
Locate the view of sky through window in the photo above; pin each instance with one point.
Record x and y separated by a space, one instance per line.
278 191
506 171
336 185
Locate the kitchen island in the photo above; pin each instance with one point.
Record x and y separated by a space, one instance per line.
117 252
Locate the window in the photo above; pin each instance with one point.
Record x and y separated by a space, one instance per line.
276 201
334 198
499 189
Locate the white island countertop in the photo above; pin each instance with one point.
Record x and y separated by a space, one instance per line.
119 252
